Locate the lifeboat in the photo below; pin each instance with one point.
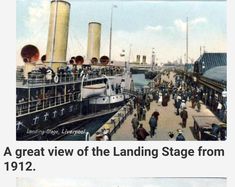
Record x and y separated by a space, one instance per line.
93 90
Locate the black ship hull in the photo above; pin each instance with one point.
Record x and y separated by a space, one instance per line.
42 125
150 74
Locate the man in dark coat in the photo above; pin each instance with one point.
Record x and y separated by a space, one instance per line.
153 125
184 117
141 133
180 136
155 114
135 124
178 103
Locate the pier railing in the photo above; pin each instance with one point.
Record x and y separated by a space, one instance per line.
115 122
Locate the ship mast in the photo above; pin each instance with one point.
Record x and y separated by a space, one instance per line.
153 58
110 32
54 33
186 57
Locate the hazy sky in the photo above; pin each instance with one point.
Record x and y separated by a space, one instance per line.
122 182
143 25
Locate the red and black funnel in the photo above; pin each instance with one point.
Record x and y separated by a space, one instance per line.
30 54
104 60
94 61
79 60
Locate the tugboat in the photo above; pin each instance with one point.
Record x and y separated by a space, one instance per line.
50 90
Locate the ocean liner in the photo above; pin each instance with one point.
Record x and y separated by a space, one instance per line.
51 90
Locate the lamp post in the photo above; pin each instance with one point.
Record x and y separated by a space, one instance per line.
110 32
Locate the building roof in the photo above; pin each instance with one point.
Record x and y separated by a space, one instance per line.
218 73
210 60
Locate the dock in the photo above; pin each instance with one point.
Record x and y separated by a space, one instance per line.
168 121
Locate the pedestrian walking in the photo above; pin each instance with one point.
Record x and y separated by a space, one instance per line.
219 109
184 117
178 103
138 112
180 136
193 101
198 106
144 114
141 112
183 105
152 125
155 114
157 97
160 98
147 103
106 135
135 124
141 133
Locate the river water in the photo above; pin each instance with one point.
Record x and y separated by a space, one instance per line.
139 80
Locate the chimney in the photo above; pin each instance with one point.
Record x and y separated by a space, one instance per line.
93 44
58 34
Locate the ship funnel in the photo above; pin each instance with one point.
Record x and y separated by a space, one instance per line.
138 59
94 61
30 55
58 34
144 59
93 45
79 60
104 60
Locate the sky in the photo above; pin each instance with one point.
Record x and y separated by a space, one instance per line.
138 26
121 182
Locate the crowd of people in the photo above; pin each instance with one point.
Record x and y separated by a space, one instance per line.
71 71
183 92
161 95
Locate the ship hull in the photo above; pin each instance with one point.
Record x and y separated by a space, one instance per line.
42 124
150 74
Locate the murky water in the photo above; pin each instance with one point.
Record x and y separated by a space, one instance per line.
139 80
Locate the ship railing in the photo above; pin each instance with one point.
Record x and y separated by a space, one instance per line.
58 78
41 104
39 78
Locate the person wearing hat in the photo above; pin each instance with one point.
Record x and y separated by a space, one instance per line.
106 133
141 133
135 124
183 105
178 104
223 131
180 136
184 117
198 106
153 124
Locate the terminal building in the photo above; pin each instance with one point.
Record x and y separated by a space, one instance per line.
209 72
